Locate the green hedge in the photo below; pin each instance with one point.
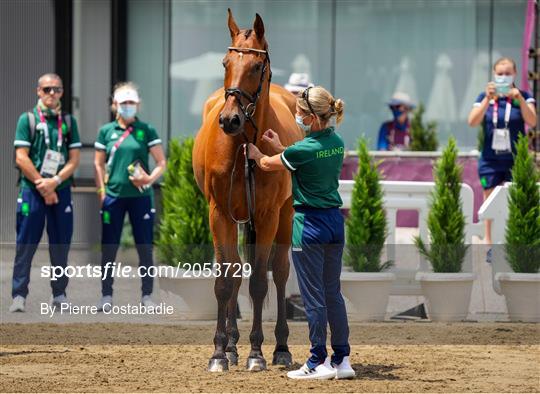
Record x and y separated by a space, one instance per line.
184 231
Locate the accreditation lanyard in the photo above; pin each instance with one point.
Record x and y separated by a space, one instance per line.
117 144
46 129
506 113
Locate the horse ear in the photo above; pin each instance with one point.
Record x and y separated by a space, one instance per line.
258 26
233 27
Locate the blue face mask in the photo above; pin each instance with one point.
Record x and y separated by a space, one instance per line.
396 112
503 83
300 122
127 111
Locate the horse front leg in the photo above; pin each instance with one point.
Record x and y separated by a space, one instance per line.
232 327
258 288
225 239
280 271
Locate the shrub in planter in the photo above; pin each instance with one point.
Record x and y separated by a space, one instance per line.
447 291
523 226
184 231
423 137
446 221
366 290
366 224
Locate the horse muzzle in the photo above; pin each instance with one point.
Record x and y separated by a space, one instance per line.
231 125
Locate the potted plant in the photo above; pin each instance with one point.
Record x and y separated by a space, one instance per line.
521 288
446 289
185 239
423 137
367 288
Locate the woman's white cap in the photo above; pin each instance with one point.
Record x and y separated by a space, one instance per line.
123 95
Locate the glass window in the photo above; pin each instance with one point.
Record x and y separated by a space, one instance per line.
437 51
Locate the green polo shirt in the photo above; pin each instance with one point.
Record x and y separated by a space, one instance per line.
315 164
38 147
135 147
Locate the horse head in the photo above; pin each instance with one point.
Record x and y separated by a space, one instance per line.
247 70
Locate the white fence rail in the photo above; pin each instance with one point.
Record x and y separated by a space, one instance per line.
495 208
412 196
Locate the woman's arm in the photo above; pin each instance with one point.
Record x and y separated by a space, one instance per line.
477 113
159 157
99 165
265 163
528 112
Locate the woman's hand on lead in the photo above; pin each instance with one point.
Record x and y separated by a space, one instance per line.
253 152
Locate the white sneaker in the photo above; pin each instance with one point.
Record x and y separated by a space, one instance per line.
321 371
18 304
105 304
147 302
59 300
344 370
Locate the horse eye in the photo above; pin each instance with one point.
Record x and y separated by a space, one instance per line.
257 67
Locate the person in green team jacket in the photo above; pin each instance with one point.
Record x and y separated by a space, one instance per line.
318 228
124 184
47 152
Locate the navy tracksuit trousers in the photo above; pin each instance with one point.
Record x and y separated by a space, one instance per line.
141 215
317 248
32 213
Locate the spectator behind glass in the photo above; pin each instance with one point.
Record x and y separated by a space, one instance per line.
502 110
298 82
395 134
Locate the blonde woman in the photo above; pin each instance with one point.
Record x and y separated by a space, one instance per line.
124 181
318 227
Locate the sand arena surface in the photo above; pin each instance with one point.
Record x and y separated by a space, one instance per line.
398 357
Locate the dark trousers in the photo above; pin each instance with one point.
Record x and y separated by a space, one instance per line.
318 240
141 216
31 216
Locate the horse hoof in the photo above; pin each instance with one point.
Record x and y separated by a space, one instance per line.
218 365
232 357
256 364
282 358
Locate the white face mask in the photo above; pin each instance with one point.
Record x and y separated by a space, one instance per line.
127 111
300 122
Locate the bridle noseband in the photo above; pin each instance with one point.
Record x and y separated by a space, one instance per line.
251 107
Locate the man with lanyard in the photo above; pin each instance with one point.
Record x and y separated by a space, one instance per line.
47 152
395 134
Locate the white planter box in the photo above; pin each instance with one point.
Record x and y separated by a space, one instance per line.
522 294
448 295
192 298
366 294
269 312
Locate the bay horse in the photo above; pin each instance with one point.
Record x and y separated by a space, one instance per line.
246 106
